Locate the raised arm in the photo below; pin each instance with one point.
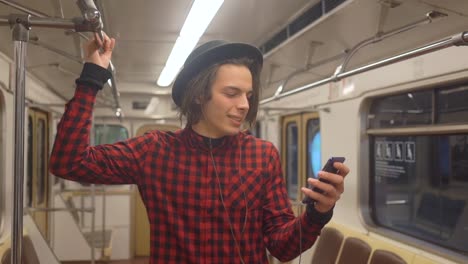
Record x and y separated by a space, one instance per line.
72 157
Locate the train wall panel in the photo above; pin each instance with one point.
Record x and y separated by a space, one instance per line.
35 90
69 242
340 134
43 251
340 105
436 64
4 69
7 134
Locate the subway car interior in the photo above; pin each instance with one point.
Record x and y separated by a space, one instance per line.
383 83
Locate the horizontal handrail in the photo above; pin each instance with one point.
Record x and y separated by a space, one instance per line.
59 209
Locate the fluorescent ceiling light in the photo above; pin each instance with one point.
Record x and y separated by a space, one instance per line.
195 24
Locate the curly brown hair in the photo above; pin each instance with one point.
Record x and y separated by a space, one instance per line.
198 91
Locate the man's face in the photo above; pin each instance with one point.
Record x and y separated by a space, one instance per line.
225 112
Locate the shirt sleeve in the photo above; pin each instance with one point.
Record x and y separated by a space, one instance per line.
286 236
73 158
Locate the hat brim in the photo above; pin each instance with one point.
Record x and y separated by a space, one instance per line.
210 57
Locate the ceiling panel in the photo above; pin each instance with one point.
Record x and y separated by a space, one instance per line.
147 29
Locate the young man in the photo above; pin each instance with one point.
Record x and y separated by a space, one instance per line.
213 193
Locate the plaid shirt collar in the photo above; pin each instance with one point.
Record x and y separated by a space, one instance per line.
194 140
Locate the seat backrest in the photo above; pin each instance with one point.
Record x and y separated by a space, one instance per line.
328 246
6 258
29 255
381 256
355 251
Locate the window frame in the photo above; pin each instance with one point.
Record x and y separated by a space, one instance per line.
364 189
95 126
3 172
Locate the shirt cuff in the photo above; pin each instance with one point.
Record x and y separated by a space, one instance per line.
94 76
315 217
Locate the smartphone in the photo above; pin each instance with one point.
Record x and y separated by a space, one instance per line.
327 168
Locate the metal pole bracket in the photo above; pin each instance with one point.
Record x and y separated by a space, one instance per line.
21 24
461 39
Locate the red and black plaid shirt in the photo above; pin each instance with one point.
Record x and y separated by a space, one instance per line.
178 183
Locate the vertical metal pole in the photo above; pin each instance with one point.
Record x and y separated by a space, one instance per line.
103 203
82 216
93 221
103 220
20 37
92 140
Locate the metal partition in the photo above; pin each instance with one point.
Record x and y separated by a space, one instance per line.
21 25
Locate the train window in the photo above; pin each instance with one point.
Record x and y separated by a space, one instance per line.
41 172
331 4
292 159
419 178
108 134
452 106
37 181
402 110
419 186
314 157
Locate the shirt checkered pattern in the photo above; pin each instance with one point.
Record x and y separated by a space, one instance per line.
177 180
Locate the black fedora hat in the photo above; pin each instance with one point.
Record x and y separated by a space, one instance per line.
208 54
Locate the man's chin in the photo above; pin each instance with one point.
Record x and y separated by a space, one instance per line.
233 132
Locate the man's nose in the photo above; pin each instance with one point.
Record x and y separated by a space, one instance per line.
243 103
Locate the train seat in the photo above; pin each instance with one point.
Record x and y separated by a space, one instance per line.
381 256
29 255
355 251
328 246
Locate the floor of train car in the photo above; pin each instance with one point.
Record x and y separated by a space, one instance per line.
142 260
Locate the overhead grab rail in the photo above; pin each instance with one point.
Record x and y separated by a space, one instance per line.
91 19
429 17
21 25
460 39
305 69
24 9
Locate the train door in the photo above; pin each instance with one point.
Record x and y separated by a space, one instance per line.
2 161
300 145
37 181
141 225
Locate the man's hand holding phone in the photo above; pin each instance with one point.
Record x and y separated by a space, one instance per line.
325 191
